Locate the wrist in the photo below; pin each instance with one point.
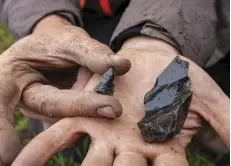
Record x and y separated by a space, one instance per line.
50 22
149 43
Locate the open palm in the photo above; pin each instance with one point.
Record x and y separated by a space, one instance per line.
119 142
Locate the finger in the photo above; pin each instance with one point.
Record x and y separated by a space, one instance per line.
83 77
187 135
37 116
130 158
10 144
193 121
170 160
46 125
52 140
52 102
217 121
99 154
47 122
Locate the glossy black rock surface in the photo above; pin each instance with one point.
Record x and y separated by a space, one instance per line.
106 85
167 103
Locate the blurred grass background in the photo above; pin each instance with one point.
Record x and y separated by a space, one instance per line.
6 38
195 155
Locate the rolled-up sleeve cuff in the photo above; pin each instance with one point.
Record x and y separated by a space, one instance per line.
147 29
192 24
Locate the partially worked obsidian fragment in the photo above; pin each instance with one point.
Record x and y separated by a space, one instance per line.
167 103
106 85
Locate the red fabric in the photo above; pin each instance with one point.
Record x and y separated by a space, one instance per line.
82 3
105 5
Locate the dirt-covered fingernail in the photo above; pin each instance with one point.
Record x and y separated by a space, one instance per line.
106 112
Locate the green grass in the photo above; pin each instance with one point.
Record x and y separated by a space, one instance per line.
21 122
6 38
60 160
194 154
196 158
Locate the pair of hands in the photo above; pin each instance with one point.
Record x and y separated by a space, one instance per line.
114 142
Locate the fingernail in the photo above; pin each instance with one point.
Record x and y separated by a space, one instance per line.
106 112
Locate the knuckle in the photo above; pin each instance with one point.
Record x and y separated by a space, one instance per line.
80 106
44 109
81 109
95 45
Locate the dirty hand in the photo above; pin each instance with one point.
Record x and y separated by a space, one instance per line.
23 76
118 142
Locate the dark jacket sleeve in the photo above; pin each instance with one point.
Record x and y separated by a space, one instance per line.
21 15
223 32
190 23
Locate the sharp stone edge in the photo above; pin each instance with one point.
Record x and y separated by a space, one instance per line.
107 83
167 103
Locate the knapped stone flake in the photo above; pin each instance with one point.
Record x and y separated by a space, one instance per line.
106 85
167 103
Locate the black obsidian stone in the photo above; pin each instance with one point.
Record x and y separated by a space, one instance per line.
106 85
167 103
